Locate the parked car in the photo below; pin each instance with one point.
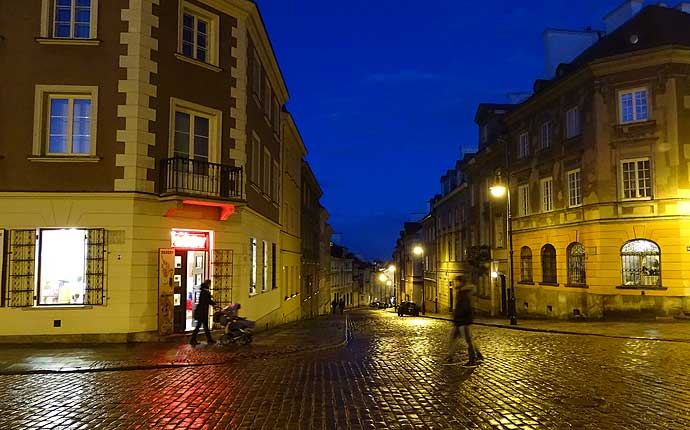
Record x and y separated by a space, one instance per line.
375 305
408 308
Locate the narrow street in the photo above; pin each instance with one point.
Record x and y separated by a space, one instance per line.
389 376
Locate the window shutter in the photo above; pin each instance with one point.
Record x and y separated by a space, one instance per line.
94 292
21 268
222 276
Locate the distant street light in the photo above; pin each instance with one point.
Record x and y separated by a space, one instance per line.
498 190
383 278
418 250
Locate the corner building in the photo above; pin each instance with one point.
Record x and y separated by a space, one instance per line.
601 177
140 153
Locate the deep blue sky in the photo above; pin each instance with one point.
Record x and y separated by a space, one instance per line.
385 91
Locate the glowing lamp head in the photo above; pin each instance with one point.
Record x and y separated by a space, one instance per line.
494 275
383 277
418 250
498 191
391 268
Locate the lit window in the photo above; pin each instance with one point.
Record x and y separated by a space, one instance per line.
523 148
525 264
62 267
264 260
252 265
546 135
572 122
576 264
633 106
548 264
636 178
523 200
69 130
574 188
547 195
198 33
72 19
641 263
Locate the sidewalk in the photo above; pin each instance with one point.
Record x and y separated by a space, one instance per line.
670 330
319 334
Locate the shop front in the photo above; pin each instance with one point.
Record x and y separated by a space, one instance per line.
191 267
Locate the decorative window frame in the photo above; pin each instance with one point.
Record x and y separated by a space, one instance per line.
213 36
576 265
632 91
48 28
215 124
523 145
523 200
42 121
636 181
546 186
526 266
578 183
545 135
633 265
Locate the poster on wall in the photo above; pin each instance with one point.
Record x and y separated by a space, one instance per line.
166 272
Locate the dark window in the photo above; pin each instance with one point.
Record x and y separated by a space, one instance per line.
548 264
576 264
273 266
641 263
525 264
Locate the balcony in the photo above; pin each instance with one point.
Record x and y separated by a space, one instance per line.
182 176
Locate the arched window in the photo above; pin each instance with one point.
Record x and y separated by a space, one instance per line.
641 262
548 264
576 264
525 264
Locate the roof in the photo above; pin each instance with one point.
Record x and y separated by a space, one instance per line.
491 108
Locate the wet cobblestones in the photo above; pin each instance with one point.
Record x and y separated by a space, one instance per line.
389 376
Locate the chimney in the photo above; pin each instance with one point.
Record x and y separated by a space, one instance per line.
622 13
563 46
684 7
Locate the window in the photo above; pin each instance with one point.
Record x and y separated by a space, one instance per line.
273 266
548 264
73 19
264 261
256 158
641 263
547 195
256 75
574 188
192 135
65 120
268 105
576 264
62 267
69 129
546 135
252 266
637 179
198 34
266 177
572 122
523 147
632 105
275 186
276 115
525 264
523 200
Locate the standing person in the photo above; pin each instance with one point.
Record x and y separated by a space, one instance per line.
342 306
462 319
334 305
201 313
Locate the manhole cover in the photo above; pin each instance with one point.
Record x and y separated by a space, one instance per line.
583 402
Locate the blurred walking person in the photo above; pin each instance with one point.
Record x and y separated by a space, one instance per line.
462 319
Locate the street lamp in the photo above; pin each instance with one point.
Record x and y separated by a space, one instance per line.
498 190
419 252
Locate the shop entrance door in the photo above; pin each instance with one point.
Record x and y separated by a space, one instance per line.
191 269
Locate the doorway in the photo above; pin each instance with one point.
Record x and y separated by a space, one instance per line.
191 269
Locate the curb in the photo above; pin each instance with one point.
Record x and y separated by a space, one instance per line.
177 365
552 331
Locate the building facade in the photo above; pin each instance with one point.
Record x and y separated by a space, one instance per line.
141 154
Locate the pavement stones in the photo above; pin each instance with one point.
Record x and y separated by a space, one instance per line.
388 376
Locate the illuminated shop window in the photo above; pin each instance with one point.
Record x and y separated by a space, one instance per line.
252 265
62 267
641 263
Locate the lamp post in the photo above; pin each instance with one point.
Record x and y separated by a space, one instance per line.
498 190
419 252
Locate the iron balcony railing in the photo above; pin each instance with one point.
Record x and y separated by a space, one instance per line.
200 178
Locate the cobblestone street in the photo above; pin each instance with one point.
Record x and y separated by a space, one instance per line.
389 376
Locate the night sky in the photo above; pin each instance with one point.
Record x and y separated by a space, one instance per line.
385 91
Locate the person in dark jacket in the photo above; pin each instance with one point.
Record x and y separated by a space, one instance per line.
334 305
201 313
462 319
341 305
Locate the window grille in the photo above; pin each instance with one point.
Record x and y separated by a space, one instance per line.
548 264
94 293
641 263
222 276
21 268
525 264
576 264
